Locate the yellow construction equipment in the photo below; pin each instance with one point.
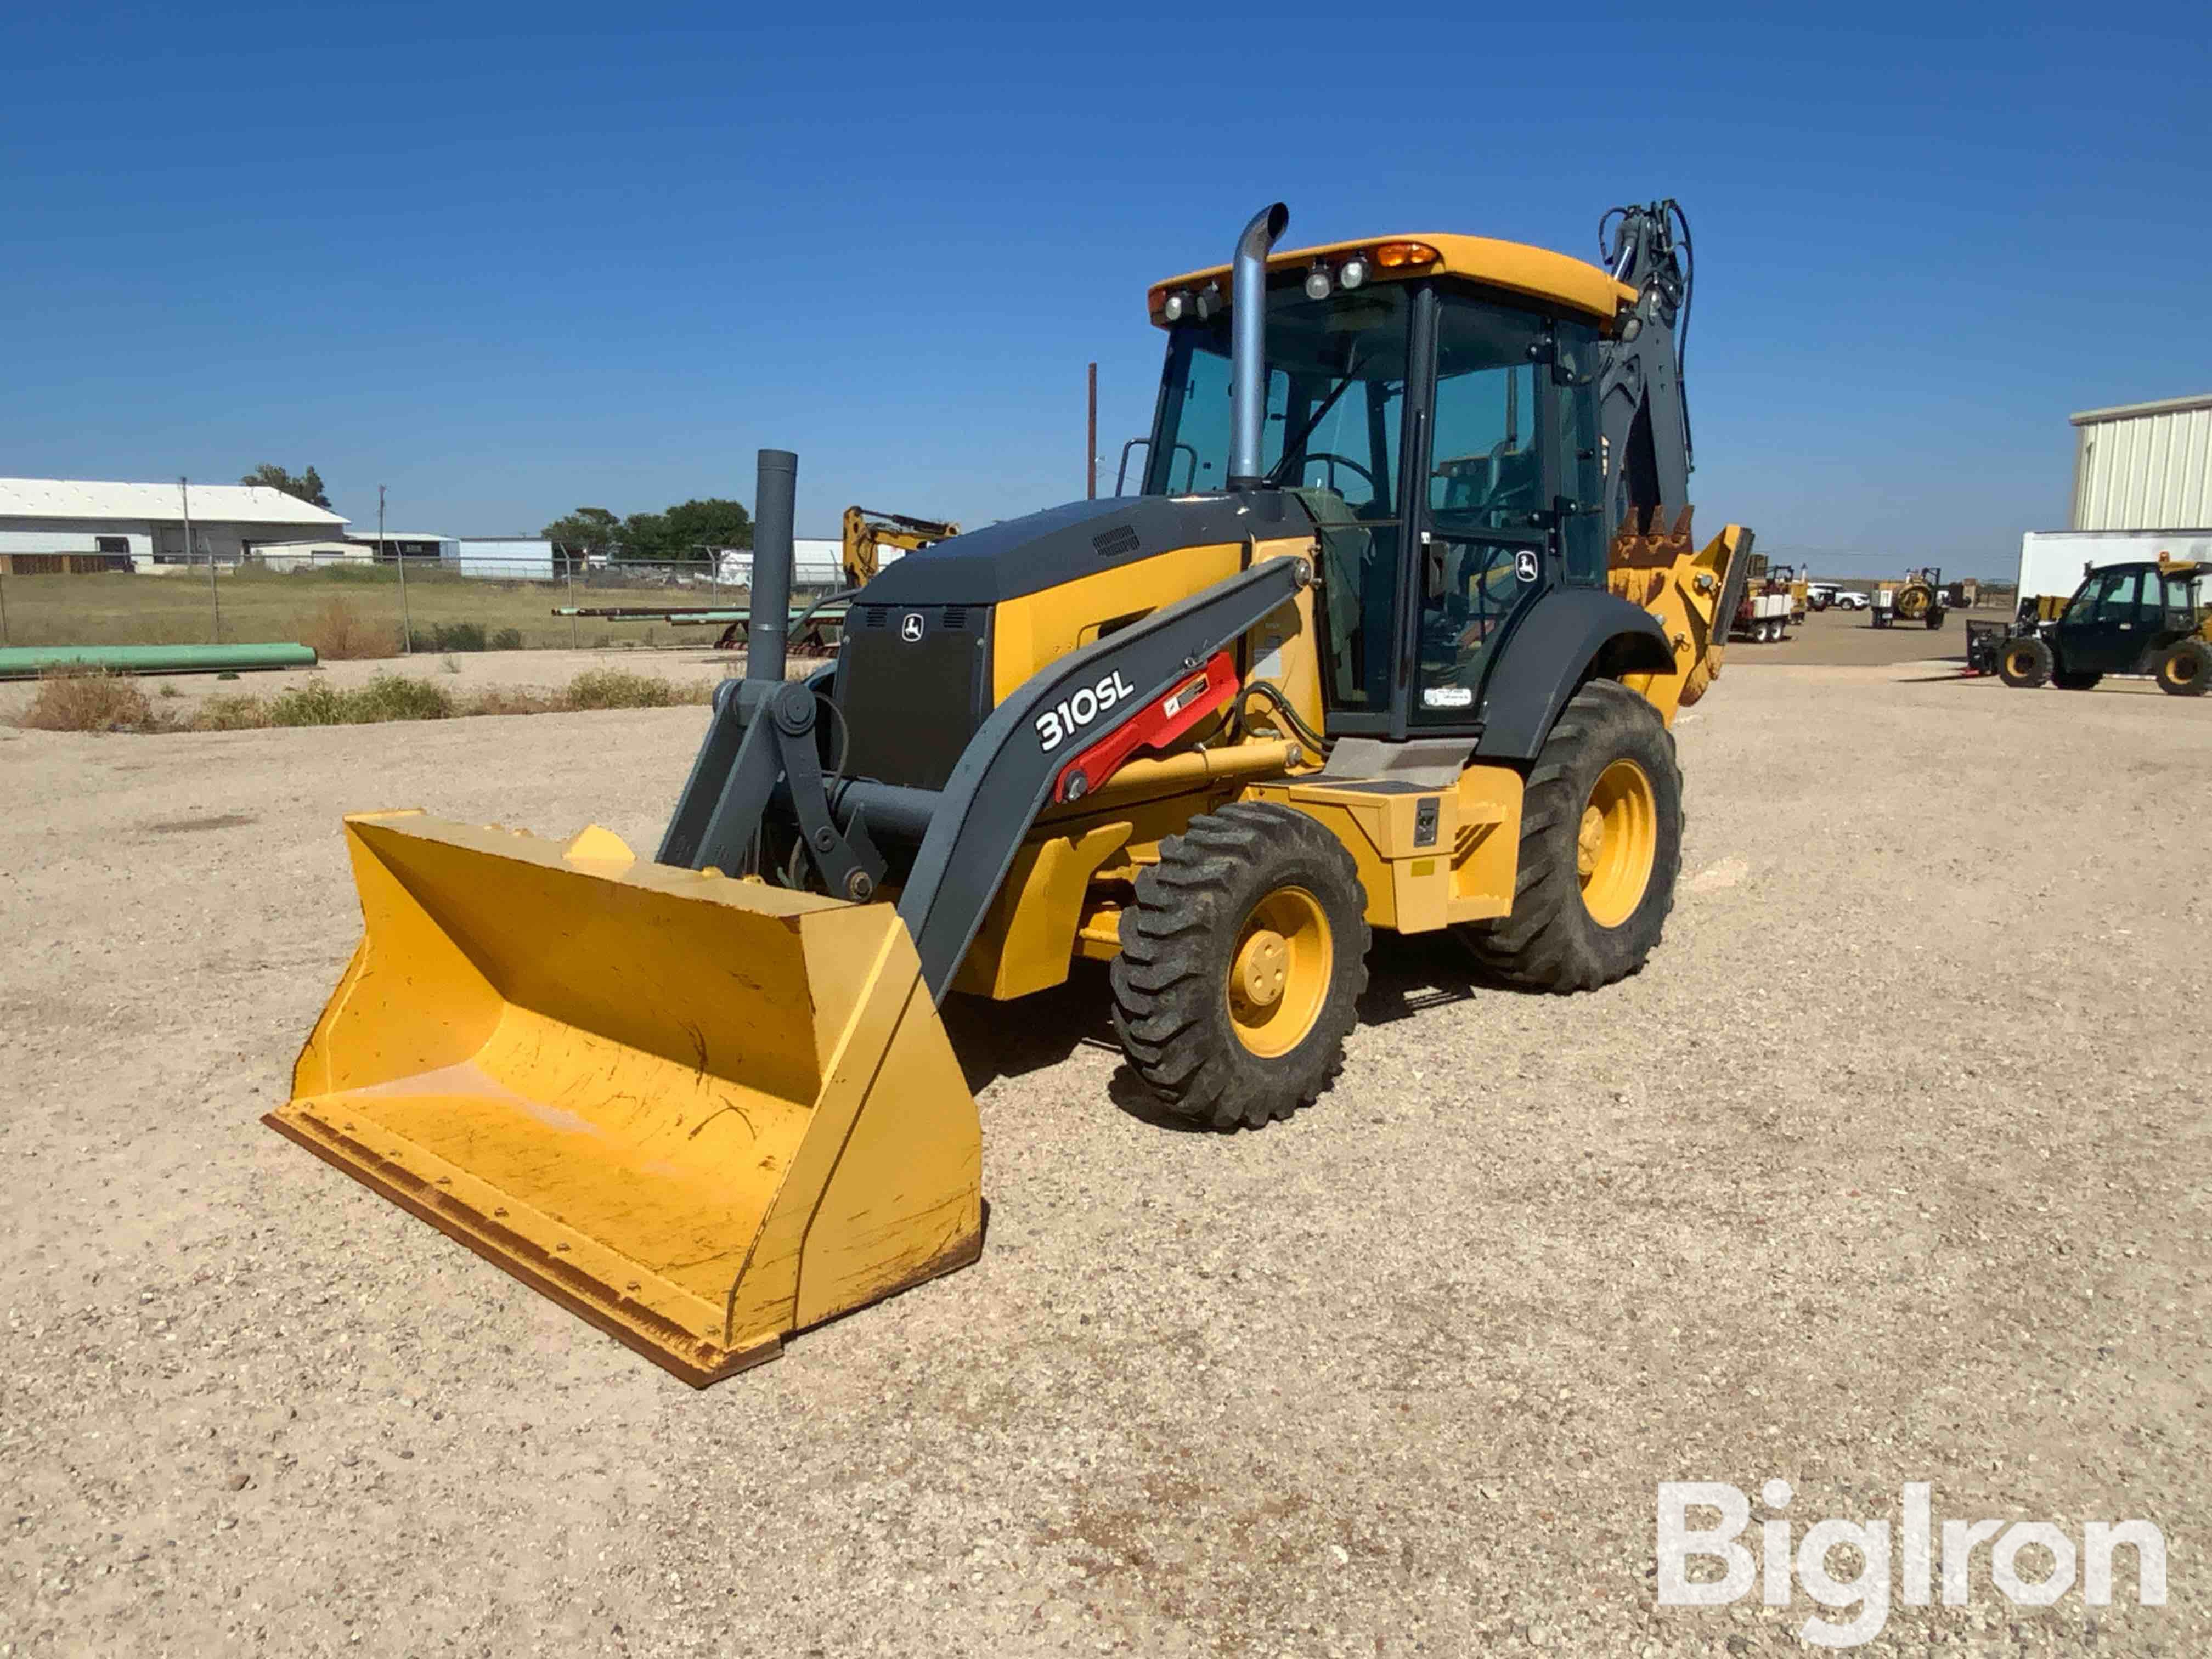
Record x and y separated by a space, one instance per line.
1391 638
868 531
1919 598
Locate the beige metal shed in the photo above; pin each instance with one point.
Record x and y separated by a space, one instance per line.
2144 466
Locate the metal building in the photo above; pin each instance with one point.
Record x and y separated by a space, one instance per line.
68 525
2144 466
505 558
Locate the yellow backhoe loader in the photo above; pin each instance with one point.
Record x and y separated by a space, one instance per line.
1391 638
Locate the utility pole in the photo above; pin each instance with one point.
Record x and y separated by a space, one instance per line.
214 593
1090 448
406 621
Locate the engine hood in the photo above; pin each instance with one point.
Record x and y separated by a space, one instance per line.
1042 550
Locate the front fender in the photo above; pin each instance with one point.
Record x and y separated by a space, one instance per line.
1549 655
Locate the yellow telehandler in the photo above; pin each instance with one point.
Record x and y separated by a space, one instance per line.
1391 638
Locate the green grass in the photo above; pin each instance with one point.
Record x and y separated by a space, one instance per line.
445 609
386 698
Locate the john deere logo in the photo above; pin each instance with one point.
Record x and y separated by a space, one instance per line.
910 626
1526 568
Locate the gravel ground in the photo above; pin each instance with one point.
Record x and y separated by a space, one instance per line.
1893 1167
1847 638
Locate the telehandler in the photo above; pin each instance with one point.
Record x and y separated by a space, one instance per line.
2139 617
1391 638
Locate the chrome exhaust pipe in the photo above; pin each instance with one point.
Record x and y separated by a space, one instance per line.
1248 345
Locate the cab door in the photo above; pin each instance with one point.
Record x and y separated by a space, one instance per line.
2105 627
1508 482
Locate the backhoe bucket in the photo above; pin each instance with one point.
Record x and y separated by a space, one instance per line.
703 1113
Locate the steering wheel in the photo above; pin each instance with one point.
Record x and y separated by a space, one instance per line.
1336 460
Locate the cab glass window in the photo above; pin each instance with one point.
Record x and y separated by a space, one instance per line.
2181 602
1486 471
2120 596
1582 529
1336 387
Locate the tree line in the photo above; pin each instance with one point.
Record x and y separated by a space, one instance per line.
307 486
691 530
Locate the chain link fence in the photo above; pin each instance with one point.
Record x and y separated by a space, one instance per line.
354 606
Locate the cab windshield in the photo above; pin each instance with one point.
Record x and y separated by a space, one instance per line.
1336 399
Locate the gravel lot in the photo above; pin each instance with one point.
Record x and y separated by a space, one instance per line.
1893 1167
1848 639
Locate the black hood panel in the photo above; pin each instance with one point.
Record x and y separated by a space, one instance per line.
1045 550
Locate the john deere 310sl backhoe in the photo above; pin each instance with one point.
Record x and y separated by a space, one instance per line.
1391 638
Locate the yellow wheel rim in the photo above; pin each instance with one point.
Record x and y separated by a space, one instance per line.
1618 843
1279 972
2180 671
2022 662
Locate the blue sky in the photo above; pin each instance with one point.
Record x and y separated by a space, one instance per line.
512 259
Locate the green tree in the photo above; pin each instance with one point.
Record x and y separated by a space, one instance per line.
698 528
307 486
591 531
645 536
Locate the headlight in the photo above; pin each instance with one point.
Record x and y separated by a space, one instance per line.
1318 285
1353 272
1175 306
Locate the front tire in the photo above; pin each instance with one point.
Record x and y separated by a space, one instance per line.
1242 965
2024 663
1600 847
2186 668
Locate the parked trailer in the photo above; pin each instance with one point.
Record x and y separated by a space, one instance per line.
1762 617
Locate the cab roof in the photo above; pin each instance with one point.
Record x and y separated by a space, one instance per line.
1536 272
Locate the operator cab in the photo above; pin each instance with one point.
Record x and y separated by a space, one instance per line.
1431 550
2122 612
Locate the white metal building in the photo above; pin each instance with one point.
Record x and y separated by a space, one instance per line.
504 558
2144 466
816 563
65 524
391 545
317 554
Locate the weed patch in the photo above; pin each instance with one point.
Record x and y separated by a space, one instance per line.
88 702
339 633
231 713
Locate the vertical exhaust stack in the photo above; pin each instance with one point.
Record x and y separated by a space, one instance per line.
1248 345
774 501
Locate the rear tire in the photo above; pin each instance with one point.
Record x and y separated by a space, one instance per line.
1242 965
2024 663
1936 617
2186 668
1579 919
2082 681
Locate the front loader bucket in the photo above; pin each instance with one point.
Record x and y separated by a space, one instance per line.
703 1113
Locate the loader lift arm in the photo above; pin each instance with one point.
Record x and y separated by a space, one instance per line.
763 732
